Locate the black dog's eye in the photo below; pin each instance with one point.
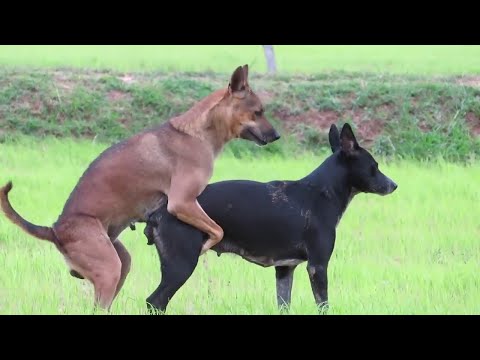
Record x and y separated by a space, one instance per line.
373 170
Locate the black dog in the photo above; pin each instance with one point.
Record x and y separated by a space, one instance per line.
278 223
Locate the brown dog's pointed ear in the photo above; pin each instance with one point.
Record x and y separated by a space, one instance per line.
245 71
238 80
334 138
348 142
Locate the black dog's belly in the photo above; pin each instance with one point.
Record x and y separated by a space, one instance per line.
286 253
268 261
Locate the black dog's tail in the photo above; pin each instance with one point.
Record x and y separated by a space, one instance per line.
40 232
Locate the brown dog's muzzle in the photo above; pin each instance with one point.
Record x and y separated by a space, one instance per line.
258 137
271 135
262 134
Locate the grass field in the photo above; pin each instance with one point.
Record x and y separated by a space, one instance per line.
416 59
414 252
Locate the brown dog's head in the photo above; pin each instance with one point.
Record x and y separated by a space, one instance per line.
247 119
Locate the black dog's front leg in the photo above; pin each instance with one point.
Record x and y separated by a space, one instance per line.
319 282
320 248
284 282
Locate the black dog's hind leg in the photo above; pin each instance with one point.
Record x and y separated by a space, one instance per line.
178 252
284 282
175 272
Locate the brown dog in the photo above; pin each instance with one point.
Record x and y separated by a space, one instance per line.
131 179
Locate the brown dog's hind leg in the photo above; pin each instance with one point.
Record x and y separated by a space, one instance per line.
90 252
126 260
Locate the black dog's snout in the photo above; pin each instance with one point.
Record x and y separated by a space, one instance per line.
394 186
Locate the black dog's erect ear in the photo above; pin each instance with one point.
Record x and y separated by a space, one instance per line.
348 142
334 138
239 79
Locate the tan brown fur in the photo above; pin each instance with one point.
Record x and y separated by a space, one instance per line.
131 179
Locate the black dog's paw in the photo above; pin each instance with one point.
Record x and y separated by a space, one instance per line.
132 226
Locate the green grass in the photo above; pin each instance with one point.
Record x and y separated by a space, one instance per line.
413 252
417 59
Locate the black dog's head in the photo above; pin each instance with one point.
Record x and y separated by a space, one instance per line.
362 167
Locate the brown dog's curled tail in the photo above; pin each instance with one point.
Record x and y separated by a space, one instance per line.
41 232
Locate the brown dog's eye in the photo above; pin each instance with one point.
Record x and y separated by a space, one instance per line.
259 113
